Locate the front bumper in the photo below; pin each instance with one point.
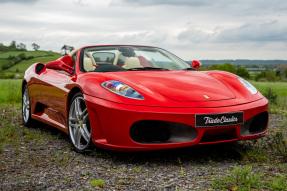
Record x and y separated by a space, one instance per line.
111 124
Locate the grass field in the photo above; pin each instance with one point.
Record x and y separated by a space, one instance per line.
22 66
27 53
279 87
39 56
10 91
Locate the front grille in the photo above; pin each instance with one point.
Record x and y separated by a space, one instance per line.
152 131
219 134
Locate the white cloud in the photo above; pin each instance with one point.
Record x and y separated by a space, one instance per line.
199 29
18 1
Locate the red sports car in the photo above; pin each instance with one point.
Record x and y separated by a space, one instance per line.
136 98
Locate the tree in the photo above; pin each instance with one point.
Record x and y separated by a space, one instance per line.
3 47
242 72
283 70
66 49
35 46
228 68
13 44
71 48
214 67
21 46
260 76
225 67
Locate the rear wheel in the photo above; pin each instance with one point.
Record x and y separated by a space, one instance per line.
79 124
26 107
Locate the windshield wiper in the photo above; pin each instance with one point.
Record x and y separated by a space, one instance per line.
189 69
148 68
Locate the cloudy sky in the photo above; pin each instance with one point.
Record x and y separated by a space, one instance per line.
192 29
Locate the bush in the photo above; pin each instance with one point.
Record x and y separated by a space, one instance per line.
224 67
22 56
271 95
270 76
10 76
5 65
242 72
29 57
260 76
11 57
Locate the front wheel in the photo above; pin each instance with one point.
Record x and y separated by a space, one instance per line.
26 107
79 124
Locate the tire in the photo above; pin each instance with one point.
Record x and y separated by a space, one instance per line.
79 124
26 107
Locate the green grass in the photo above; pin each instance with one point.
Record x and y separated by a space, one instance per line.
10 91
137 169
27 53
23 65
242 178
239 179
279 87
98 182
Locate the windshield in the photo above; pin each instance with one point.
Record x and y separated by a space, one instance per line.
129 58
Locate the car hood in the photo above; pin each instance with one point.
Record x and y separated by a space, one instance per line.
185 86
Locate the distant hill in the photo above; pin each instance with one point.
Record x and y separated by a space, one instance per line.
243 62
35 56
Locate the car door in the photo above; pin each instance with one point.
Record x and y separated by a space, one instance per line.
54 94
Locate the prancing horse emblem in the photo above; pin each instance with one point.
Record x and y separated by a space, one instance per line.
206 96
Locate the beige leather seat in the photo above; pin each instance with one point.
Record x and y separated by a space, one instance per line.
132 62
88 65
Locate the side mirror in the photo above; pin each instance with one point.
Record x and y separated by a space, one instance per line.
196 64
59 65
40 68
67 59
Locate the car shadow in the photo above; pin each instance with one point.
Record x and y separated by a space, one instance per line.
222 152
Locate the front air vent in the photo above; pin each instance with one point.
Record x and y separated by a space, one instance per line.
255 125
156 132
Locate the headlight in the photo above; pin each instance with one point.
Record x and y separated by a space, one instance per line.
121 89
250 87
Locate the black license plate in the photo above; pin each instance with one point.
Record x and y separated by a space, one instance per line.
219 119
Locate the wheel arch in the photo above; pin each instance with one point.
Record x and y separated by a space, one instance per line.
73 92
24 83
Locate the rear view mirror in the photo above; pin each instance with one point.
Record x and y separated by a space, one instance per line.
59 65
196 64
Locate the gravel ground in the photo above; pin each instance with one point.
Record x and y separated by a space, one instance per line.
46 161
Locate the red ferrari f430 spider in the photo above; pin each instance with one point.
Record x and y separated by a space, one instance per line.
136 98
